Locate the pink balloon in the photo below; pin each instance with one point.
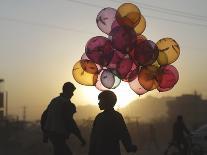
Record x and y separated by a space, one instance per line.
105 19
136 87
167 77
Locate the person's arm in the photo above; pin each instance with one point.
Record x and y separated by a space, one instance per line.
125 137
70 122
186 129
75 130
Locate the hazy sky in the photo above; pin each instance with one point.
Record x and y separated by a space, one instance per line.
41 40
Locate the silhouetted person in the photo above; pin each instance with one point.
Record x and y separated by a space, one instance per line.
109 128
179 134
58 123
153 136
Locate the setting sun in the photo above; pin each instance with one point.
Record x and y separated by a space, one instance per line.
123 92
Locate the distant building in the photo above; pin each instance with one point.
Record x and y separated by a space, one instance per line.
191 106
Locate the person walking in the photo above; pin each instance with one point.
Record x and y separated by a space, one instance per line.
57 121
109 129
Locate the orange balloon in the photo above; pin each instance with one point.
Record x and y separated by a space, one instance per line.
147 77
128 14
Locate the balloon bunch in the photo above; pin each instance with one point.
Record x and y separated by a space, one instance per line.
127 55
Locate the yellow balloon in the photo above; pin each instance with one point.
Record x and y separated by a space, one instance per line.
169 51
128 14
82 76
140 27
156 64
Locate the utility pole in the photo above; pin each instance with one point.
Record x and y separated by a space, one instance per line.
5 97
24 113
6 104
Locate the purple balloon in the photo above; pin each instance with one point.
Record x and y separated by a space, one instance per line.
123 38
145 53
99 50
105 19
99 85
107 79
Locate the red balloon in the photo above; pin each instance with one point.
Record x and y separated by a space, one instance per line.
132 74
123 38
145 53
99 50
117 57
167 77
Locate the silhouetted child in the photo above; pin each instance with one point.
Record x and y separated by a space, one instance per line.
109 129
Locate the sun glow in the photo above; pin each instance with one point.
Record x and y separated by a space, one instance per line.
123 92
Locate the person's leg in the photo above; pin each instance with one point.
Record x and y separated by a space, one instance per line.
66 149
59 145
179 146
185 147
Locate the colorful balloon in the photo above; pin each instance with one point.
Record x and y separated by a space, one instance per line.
126 55
85 72
132 74
99 84
128 14
99 50
145 53
109 80
140 38
136 87
167 77
123 39
117 57
140 27
169 51
147 77
84 57
105 19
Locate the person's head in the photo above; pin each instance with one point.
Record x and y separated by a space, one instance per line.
68 89
107 100
179 118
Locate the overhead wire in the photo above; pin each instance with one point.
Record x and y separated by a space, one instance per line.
166 10
158 18
51 26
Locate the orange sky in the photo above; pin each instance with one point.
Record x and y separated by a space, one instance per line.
40 41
